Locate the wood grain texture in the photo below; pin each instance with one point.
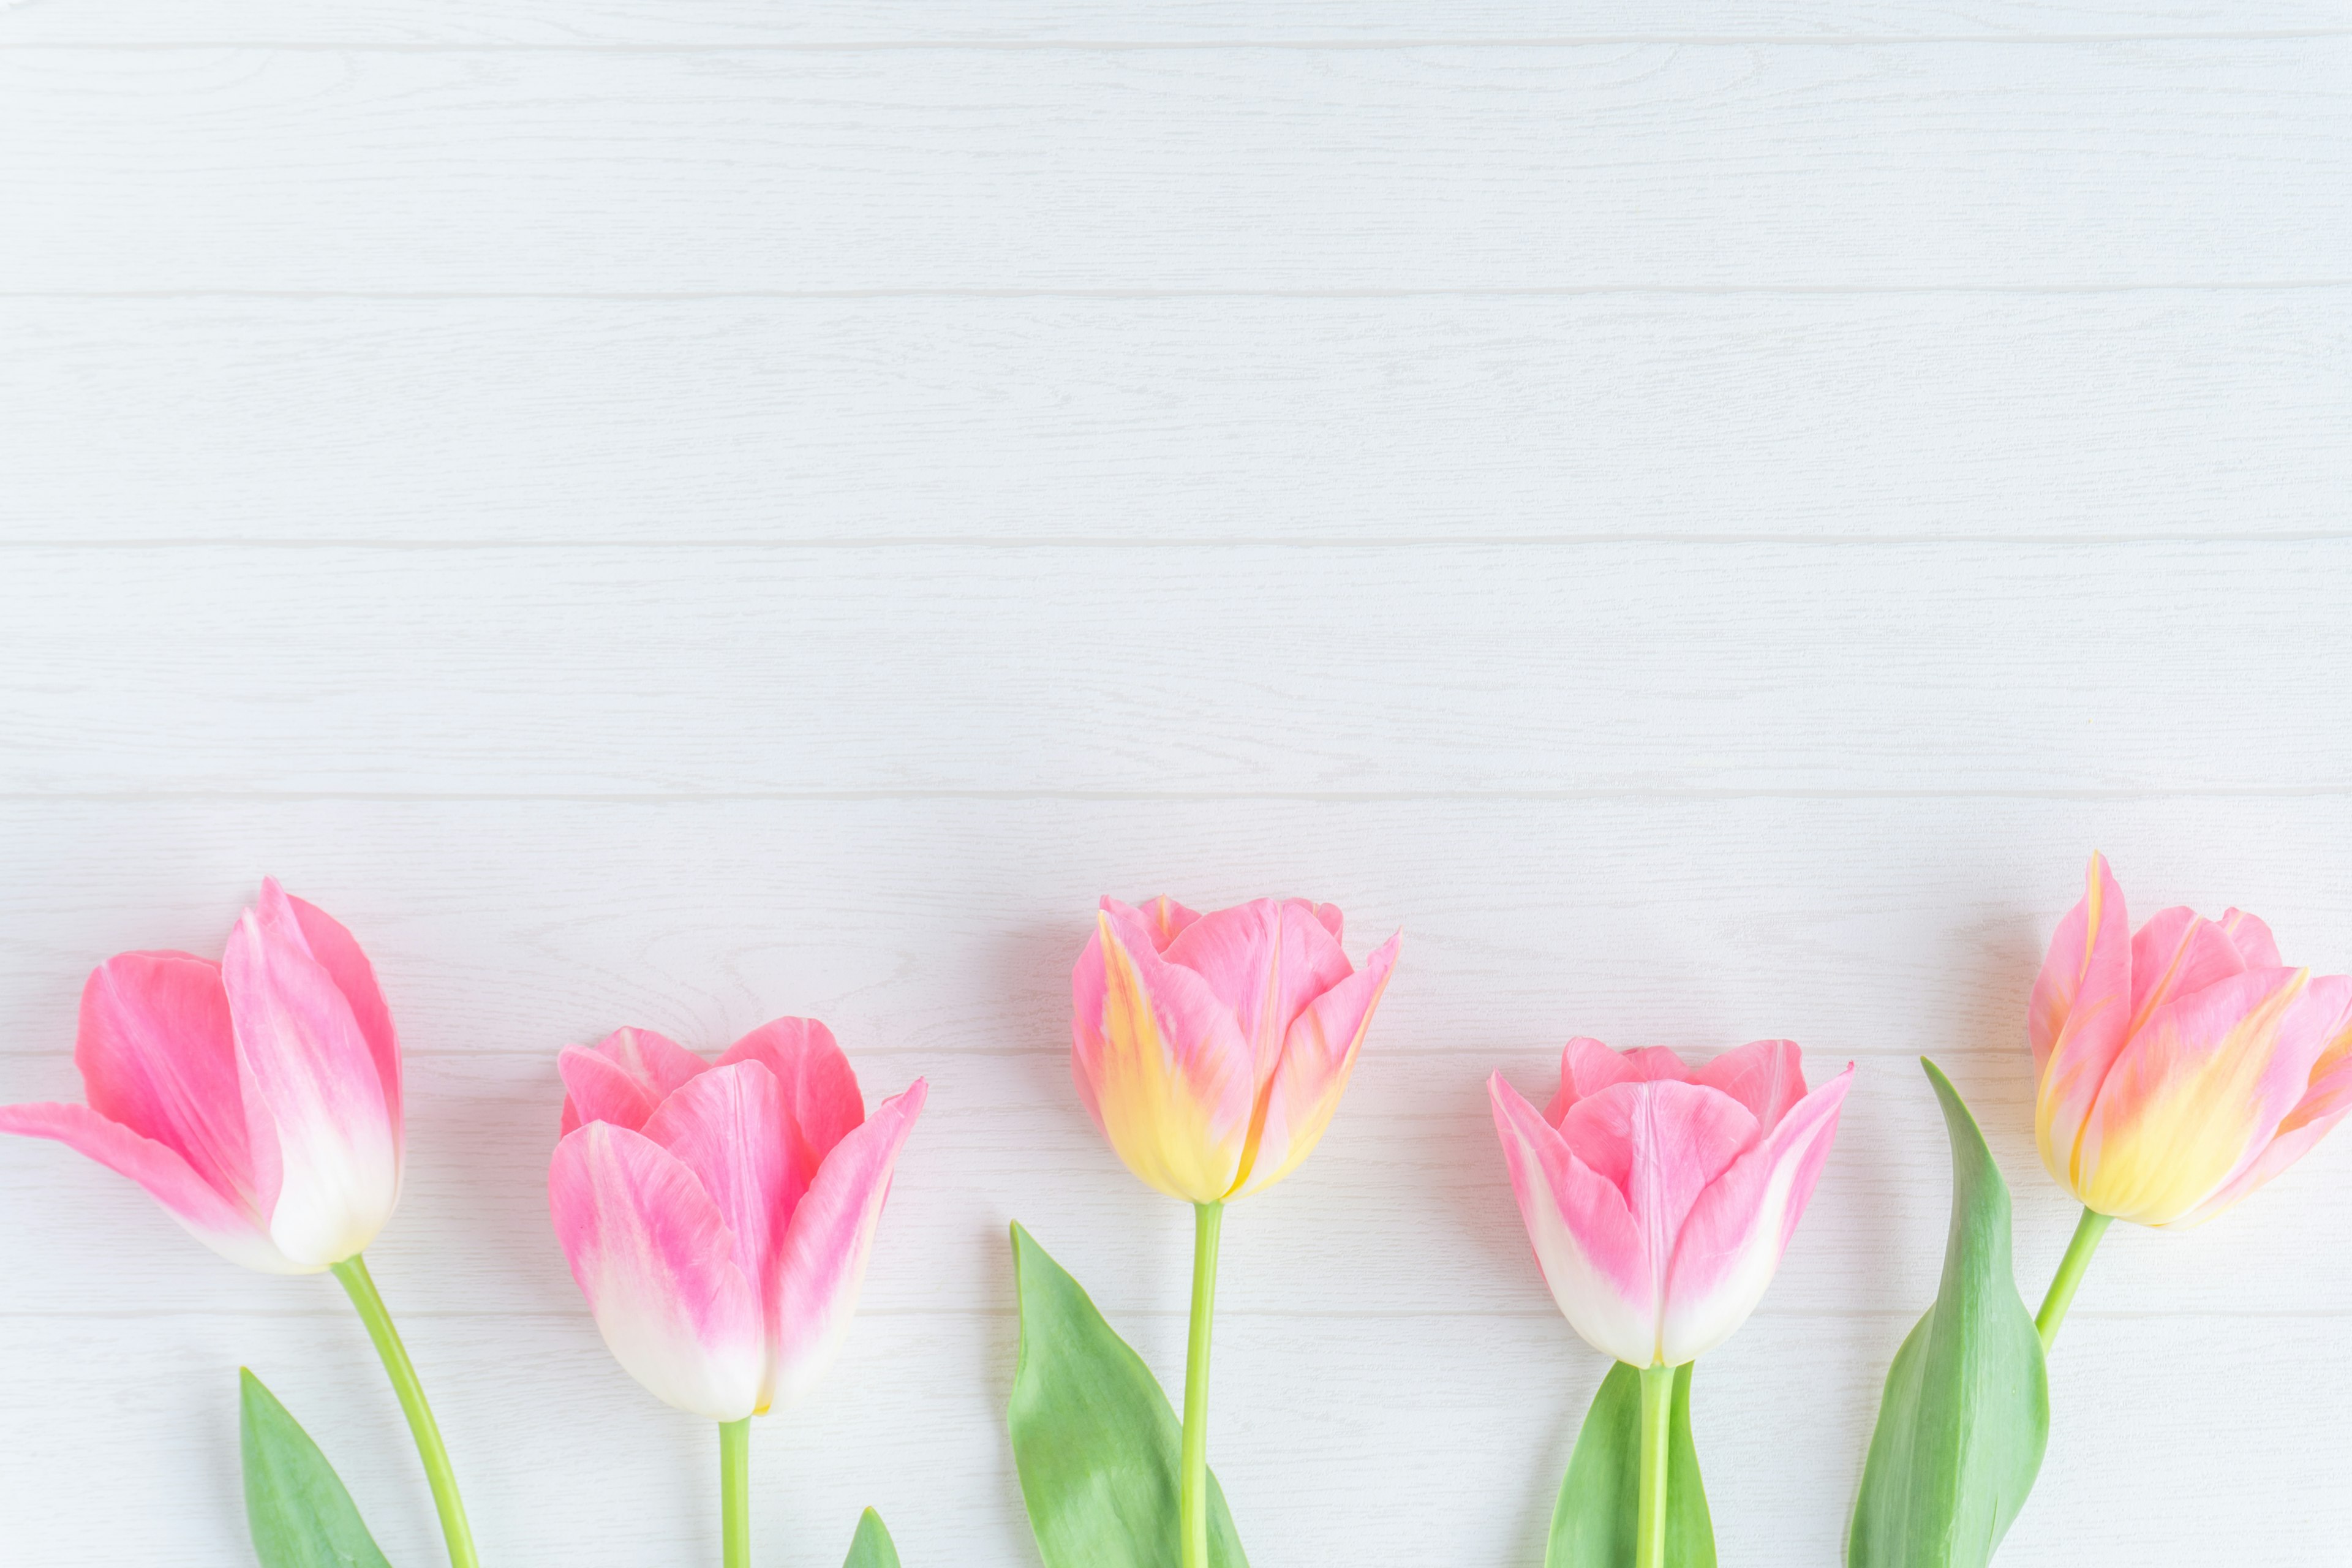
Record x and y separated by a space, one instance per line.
2188 412
1244 668
1619 165
839 23
684 513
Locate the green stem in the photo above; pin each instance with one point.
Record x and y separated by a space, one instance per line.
735 1489
2070 1269
1192 1496
1658 1429
360 1286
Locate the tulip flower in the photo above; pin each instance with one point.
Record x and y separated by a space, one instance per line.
1660 1199
2180 1066
1211 1050
258 1100
718 1216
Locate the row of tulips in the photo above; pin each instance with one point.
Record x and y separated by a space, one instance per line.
718 1214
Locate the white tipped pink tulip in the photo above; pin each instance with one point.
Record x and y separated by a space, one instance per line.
257 1099
1659 1199
718 1217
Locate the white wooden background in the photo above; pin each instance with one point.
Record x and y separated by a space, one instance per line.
681 512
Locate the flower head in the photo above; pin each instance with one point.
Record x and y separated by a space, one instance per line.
1212 1049
1660 1199
257 1099
719 1215
2181 1066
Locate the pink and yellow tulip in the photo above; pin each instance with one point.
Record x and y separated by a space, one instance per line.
1212 1049
719 1215
2183 1064
258 1098
1660 1198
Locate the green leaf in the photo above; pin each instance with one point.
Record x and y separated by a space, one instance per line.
299 1511
1594 1524
1092 1436
1967 1410
871 1547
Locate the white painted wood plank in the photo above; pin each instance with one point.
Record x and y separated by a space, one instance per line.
1616 165
2190 412
1460 1430
937 937
837 22
1557 669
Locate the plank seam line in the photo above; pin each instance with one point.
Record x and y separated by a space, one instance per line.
1497 291
1179 46
1205 542
1336 797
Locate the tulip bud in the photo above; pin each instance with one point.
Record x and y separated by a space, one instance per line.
1659 1199
258 1100
1212 1049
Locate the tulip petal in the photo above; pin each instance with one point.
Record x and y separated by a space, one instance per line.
1160 1062
657 1265
730 1127
1587 1067
337 953
1586 1242
2253 939
1265 960
2203 1089
1767 1076
2323 1105
1333 921
2078 1019
211 1216
820 1089
314 1100
156 1054
829 1240
656 1065
598 1089
1661 1143
1731 1243
1163 918
2176 953
1317 1057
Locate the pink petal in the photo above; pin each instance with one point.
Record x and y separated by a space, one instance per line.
2254 940
2201 1091
1732 1241
314 1101
1163 917
1585 1238
732 1128
337 953
2313 1117
213 1217
657 1265
1317 1057
1159 1063
820 1090
1333 922
831 1235
1265 962
1767 1076
2079 1018
156 1054
1587 1067
1660 1143
2176 953
656 1064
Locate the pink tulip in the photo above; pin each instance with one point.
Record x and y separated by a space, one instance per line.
1660 1199
2182 1065
1212 1049
718 1216
257 1099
